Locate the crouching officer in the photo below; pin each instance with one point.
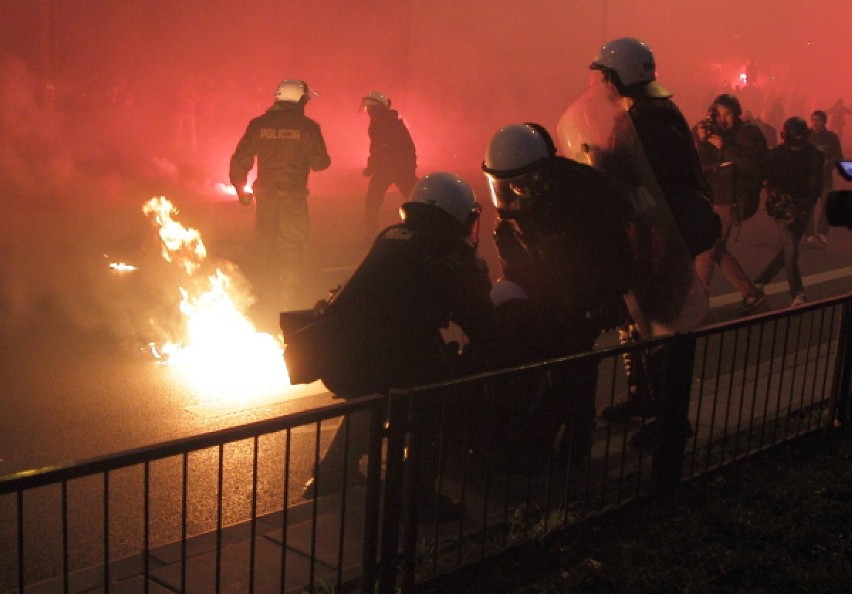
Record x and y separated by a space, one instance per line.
383 328
560 238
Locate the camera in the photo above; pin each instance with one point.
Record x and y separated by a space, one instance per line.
710 125
782 207
838 203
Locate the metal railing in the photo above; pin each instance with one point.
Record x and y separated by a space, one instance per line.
455 472
507 444
144 515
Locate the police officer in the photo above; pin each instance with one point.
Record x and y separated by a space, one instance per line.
382 329
287 146
561 239
628 64
392 160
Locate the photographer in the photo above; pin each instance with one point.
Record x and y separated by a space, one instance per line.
793 184
733 159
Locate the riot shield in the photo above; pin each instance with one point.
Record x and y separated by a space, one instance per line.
665 294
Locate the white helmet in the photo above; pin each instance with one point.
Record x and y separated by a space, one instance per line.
293 91
515 148
628 62
448 192
513 156
375 98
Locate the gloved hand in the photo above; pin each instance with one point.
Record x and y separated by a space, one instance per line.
245 197
510 247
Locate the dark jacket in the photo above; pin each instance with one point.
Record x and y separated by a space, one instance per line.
667 141
828 142
287 145
794 171
382 329
391 146
570 254
739 167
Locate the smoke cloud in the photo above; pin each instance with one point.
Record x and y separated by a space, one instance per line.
105 104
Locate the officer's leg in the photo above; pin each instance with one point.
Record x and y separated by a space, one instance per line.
293 225
264 270
348 445
376 189
405 183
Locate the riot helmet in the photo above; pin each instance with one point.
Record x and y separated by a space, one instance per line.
294 91
375 98
513 163
443 199
628 63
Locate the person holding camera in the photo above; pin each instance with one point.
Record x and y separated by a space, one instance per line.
793 184
733 157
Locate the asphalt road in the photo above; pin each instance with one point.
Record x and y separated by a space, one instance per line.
78 383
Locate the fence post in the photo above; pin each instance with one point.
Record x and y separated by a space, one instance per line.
373 498
678 356
398 412
839 407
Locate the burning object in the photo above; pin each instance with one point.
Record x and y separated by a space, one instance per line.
220 354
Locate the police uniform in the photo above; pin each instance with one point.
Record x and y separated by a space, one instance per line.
387 318
392 160
568 250
287 146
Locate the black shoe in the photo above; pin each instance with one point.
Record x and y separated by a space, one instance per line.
331 483
648 436
639 405
752 302
441 507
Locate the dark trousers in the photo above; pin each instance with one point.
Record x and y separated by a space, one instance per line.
787 256
281 230
380 181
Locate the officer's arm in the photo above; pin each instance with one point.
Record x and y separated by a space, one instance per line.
242 161
319 159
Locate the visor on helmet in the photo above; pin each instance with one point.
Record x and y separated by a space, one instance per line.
512 193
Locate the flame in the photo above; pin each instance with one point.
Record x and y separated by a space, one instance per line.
221 356
122 267
230 190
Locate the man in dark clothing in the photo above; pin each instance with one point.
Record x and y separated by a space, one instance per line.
287 146
382 329
560 237
794 183
392 159
733 158
829 143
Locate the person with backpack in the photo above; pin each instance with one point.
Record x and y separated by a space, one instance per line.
733 159
794 179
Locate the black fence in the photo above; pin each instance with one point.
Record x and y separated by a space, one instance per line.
454 472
